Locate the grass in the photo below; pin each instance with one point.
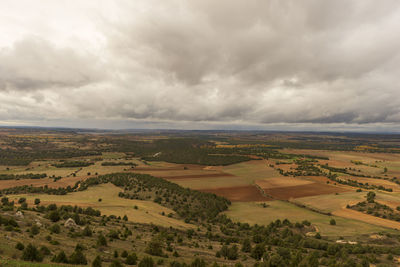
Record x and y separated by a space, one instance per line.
253 213
111 204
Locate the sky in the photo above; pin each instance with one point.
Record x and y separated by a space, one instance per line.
201 64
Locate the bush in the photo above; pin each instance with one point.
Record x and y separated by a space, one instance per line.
154 248
101 240
35 229
116 263
198 263
45 250
61 257
54 216
31 254
87 231
96 262
332 222
77 258
55 229
19 246
131 259
146 262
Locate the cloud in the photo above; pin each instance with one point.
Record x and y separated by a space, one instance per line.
34 63
216 62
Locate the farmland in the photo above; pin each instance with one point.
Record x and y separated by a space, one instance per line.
197 182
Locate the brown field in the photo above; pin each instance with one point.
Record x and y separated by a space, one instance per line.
312 189
239 193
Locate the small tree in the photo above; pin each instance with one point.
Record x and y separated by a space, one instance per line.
31 253
101 240
19 246
77 258
246 246
37 201
332 222
96 262
154 247
371 197
146 262
131 259
54 216
61 257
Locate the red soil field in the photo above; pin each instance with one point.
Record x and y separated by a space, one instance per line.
306 190
239 193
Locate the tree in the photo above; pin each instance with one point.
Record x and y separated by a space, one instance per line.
116 263
54 216
35 229
332 222
55 228
131 259
233 253
101 240
77 258
87 231
154 247
37 201
19 246
146 262
31 253
246 246
61 257
96 262
258 251
198 263
371 197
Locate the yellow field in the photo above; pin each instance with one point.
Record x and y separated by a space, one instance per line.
111 204
252 213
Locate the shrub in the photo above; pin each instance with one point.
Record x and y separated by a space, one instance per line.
131 259
146 262
96 262
101 240
35 229
54 216
61 257
116 263
19 246
77 258
332 222
154 248
31 254
55 228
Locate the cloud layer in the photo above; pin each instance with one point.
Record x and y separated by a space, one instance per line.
201 62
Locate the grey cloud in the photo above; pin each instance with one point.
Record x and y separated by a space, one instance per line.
221 62
34 63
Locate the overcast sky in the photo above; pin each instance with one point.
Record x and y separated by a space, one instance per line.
201 64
